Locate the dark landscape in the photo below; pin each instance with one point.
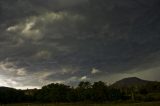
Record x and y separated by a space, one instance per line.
128 90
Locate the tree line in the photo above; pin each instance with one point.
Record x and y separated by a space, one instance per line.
84 92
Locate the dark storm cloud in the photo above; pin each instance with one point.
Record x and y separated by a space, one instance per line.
67 41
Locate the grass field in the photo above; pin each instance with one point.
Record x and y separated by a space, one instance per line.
121 104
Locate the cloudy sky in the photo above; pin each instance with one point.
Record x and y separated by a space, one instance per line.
67 41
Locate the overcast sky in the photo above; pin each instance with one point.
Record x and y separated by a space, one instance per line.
67 41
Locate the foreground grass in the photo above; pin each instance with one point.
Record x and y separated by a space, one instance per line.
120 104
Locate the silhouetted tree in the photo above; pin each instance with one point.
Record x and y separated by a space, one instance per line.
100 91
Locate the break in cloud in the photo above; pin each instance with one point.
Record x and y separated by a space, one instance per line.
67 41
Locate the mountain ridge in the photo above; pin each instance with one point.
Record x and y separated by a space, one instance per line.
130 82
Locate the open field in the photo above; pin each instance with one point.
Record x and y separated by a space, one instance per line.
121 104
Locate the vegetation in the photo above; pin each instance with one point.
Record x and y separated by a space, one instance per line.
112 104
85 92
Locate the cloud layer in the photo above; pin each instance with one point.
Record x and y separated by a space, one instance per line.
67 41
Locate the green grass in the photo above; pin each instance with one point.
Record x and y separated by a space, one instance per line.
120 104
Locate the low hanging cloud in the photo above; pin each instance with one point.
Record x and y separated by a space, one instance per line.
95 71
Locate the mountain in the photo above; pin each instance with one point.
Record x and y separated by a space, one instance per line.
2 88
130 82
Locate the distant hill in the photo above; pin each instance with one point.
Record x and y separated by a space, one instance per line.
130 82
2 88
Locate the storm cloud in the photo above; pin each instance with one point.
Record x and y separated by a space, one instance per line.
67 41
